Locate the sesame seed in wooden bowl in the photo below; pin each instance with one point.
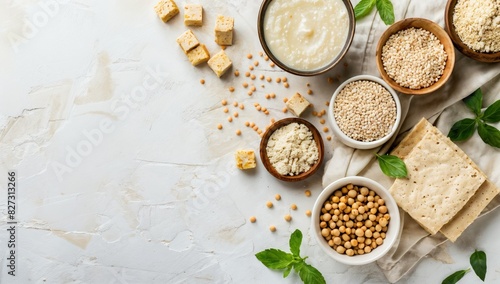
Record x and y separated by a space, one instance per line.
267 160
472 24
415 56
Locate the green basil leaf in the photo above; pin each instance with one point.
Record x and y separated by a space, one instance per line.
492 113
308 274
392 166
475 101
462 129
275 258
295 241
287 270
386 11
489 134
363 8
478 263
455 277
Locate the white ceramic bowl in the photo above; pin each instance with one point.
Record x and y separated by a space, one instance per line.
262 38
360 144
392 234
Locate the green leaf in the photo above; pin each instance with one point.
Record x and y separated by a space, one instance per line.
275 258
462 129
392 166
455 277
478 263
489 134
295 241
386 11
363 8
308 274
492 113
475 101
287 270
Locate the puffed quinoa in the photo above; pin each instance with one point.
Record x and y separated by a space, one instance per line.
414 58
364 111
477 24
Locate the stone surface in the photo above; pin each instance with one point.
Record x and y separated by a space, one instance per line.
123 175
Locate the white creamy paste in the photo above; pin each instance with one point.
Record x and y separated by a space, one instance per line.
306 34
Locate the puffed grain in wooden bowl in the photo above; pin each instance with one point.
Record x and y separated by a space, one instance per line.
424 24
488 57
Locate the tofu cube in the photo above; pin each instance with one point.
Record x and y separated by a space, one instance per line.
198 55
220 63
297 104
166 10
224 30
187 41
193 15
245 159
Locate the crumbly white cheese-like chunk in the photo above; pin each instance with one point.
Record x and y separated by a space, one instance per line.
292 150
193 15
297 104
224 30
220 63
166 10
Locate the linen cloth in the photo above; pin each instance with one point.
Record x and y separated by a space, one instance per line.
443 108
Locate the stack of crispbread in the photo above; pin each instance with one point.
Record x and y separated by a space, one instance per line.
445 190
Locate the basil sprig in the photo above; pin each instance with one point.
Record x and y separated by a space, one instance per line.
478 263
392 166
384 7
465 128
278 259
455 277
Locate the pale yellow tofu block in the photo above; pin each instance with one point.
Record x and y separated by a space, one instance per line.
224 30
166 10
220 63
245 159
187 41
193 15
297 104
198 55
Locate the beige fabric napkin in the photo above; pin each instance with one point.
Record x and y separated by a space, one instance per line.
443 108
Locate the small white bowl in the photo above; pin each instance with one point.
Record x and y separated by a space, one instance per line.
392 233
360 144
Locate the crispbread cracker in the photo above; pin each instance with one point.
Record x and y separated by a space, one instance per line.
409 142
455 227
483 196
439 183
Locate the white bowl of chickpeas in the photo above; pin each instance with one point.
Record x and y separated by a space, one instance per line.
355 220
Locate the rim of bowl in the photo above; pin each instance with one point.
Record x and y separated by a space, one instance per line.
265 159
439 32
299 72
392 234
360 144
459 44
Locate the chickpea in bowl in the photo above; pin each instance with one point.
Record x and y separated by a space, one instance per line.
355 220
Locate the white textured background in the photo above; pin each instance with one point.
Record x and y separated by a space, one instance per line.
156 198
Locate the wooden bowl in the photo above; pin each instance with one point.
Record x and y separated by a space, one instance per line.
265 159
462 47
329 66
430 26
